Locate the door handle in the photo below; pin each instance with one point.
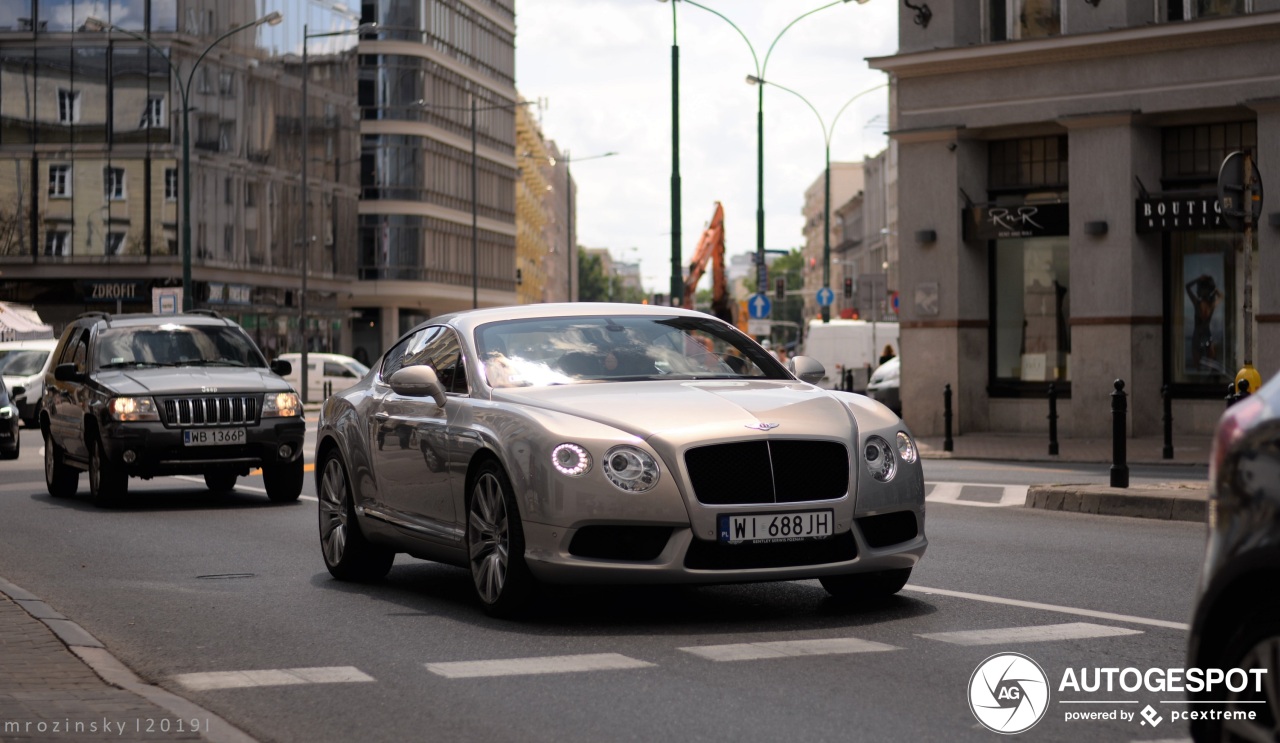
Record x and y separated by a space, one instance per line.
381 416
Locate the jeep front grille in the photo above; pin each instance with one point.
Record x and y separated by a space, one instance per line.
211 411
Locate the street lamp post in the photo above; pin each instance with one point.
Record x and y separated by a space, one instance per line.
826 185
303 321
568 198
184 89
760 72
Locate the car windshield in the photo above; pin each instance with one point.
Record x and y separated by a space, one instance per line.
23 363
563 350
173 344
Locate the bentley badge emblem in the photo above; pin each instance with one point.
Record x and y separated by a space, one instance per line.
763 426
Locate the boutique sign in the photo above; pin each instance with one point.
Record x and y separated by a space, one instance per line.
1179 213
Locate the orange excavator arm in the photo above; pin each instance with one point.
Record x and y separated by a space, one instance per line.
710 249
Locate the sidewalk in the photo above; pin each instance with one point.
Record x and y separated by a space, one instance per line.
1177 500
57 682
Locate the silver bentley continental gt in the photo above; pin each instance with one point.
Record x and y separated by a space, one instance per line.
612 443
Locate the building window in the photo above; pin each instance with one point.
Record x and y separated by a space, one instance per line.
57 243
228 191
1031 310
115 243
228 241
68 106
153 115
226 83
1185 10
1023 19
1194 154
170 184
1030 163
60 181
226 136
250 194
113 183
202 81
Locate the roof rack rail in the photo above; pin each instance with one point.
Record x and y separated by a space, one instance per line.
95 313
206 313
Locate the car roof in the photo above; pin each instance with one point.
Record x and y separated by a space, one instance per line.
140 319
470 319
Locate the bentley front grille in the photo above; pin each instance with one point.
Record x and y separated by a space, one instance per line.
770 471
211 411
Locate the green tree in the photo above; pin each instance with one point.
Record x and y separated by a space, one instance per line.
592 286
790 267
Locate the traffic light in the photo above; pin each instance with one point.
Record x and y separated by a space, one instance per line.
848 288
780 288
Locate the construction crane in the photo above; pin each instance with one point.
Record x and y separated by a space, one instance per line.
710 248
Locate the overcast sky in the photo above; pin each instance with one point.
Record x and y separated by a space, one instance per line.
604 67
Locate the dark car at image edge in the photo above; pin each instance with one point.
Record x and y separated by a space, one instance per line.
149 395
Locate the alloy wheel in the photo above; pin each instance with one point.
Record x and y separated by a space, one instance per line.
488 538
49 460
333 512
1266 725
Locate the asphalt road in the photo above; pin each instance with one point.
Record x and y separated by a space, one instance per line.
182 582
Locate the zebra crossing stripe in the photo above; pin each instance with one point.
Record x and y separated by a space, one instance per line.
1042 633
535 666
954 492
274 677
787 649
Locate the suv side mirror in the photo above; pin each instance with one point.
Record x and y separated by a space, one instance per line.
807 368
418 381
66 373
281 367
18 391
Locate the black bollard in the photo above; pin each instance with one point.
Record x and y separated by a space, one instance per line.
1053 421
1119 407
1243 389
1232 397
947 443
1167 452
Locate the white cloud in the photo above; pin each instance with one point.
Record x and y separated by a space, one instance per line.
605 67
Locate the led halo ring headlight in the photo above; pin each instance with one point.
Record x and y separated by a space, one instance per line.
880 458
630 469
571 460
906 447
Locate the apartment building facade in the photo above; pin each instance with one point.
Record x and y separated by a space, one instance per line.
1059 221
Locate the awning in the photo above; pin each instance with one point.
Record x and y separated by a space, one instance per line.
18 323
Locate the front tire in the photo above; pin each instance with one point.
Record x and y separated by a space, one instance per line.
60 479
1256 645
866 586
347 554
108 482
283 480
495 544
220 482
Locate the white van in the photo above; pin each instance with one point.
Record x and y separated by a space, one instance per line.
849 344
24 364
326 368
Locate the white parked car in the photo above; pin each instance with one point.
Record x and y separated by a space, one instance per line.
326 368
23 364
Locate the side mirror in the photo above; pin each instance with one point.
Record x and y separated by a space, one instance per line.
807 368
18 391
282 368
66 373
418 381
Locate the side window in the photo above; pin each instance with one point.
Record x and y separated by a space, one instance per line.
408 352
337 370
67 353
446 359
81 353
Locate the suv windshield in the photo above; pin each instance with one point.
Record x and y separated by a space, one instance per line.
173 344
563 350
22 363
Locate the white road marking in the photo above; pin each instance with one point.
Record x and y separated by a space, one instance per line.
534 666
1050 607
951 492
1042 633
274 677
787 649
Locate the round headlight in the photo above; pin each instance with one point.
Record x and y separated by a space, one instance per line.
906 447
570 459
630 469
881 462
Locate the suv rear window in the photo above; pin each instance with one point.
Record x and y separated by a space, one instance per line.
173 344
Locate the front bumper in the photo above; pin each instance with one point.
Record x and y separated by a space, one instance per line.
8 435
157 450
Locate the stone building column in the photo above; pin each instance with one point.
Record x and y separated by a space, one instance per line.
1266 265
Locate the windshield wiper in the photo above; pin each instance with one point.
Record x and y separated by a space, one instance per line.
212 362
133 364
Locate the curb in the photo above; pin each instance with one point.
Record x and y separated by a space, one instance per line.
109 668
1167 501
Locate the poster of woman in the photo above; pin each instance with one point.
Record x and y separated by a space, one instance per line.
1202 314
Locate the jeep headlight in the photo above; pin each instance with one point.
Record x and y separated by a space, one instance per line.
882 461
133 409
6 412
281 405
630 469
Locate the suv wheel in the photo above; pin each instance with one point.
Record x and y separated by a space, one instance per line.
61 479
220 482
108 482
283 480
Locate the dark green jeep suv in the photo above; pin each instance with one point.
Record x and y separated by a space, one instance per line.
146 395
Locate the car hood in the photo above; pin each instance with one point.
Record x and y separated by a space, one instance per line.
696 410
190 380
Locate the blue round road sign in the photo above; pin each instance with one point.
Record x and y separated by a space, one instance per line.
826 296
758 306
